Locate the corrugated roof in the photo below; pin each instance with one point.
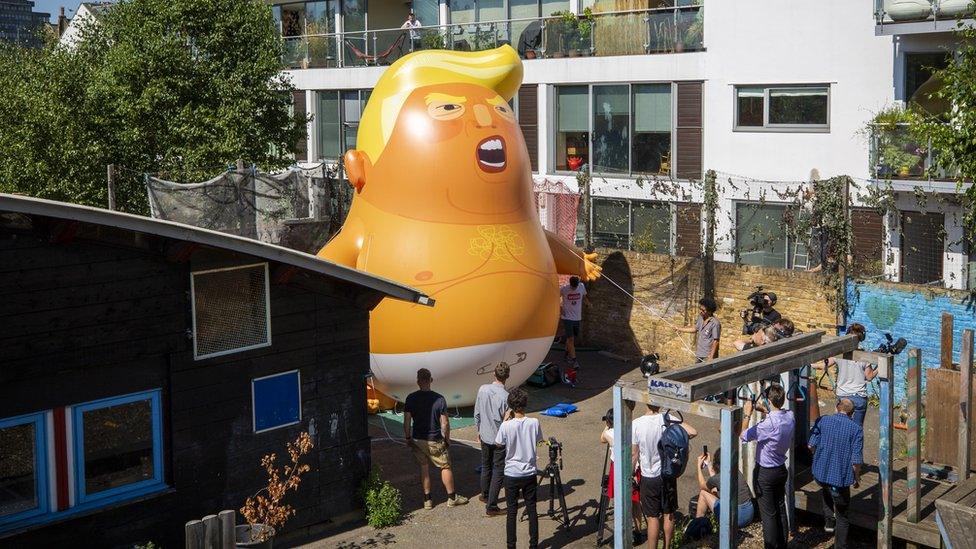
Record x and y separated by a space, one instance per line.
213 239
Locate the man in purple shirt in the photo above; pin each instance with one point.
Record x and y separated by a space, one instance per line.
773 437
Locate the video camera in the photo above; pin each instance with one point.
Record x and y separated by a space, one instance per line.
649 365
892 346
555 452
754 317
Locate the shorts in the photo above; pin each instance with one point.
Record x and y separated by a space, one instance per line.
658 497
571 328
634 494
434 450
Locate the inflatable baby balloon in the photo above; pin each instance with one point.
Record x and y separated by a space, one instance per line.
444 203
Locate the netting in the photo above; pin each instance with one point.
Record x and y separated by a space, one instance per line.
246 202
557 206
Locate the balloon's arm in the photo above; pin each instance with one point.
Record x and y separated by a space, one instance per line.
571 260
345 246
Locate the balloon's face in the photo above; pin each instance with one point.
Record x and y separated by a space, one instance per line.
456 155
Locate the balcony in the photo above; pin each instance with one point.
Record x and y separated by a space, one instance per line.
640 32
899 17
897 156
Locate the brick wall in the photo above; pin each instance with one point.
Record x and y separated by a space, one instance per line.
668 289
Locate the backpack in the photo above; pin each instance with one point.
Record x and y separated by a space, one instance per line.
673 449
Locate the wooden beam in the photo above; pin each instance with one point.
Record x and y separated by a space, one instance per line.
886 392
913 389
946 345
964 461
955 523
772 366
637 392
731 423
623 410
738 359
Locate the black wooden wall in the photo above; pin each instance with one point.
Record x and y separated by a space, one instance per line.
88 319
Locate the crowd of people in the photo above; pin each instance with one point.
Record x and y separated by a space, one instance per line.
509 440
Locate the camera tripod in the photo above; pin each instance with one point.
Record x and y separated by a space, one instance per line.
556 489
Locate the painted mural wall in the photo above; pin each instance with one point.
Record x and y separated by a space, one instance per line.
912 312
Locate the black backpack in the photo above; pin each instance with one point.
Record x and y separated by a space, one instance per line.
673 449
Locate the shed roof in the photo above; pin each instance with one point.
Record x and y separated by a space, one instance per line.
206 237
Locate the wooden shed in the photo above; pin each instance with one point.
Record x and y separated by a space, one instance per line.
146 367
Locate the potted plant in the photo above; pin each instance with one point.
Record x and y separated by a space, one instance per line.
432 40
264 511
694 33
897 152
584 30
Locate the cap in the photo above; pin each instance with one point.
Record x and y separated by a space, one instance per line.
609 415
772 297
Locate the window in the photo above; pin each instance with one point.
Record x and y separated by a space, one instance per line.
638 225
922 247
762 237
118 446
919 68
629 131
338 121
276 401
796 108
23 468
231 311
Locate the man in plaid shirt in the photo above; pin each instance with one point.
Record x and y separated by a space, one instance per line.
838 442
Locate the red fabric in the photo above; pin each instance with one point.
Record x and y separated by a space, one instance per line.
634 494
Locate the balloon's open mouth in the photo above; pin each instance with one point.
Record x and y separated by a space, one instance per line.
491 154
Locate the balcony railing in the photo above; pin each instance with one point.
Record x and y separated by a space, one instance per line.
664 30
887 11
897 155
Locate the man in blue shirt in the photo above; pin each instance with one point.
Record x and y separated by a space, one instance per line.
837 442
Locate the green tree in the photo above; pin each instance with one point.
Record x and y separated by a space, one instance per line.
952 133
172 87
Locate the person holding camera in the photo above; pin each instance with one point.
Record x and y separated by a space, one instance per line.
708 490
708 328
762 314
837 442
490 409
853 377
427 431
773 437
658 495
520 435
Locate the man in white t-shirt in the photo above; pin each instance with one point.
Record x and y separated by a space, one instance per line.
412 24
571 312
658 496
520 435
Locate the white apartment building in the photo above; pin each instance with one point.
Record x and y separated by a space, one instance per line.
768 93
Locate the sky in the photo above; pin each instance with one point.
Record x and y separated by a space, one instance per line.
52 6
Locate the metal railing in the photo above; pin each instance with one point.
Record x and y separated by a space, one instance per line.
662 30
923 10
896 154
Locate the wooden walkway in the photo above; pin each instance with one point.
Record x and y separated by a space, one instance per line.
865 503
957 516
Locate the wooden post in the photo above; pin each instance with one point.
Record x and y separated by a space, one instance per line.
965 405
228 534
622 458
946 346
886 392
913 397
195 535
211 528
731 423
111 187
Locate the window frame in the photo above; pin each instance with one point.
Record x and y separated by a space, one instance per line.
128 491
672 220
42 483
779 128
631 174
792 241
267 310
254 408
343 124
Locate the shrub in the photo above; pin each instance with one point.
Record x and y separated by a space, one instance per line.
383 501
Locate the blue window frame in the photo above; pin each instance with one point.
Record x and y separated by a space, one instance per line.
276 400
118 448
23 468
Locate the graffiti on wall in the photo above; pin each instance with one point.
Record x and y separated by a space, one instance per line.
912 313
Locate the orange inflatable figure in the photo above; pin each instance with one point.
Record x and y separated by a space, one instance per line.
444 203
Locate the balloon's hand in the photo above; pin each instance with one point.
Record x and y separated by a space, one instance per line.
591 271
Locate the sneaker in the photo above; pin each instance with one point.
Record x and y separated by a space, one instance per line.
428 504
496 512
458 500
829 525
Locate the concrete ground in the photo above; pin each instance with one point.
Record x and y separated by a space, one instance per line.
583 460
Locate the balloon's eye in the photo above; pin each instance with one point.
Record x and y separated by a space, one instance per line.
445 111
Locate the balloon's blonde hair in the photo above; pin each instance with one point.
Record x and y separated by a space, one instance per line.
499 69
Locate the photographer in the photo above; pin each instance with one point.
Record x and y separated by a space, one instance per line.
708 494
520 435
762 313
